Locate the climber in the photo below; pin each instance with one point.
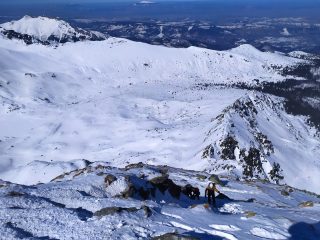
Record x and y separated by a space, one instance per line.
196 193
210 193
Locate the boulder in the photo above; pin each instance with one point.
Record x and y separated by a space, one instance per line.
306 204
115 210
110 211
174 236
250 214
285 193
163 183
159 180
121 187
163 170
201 177
134 165
109 179
214 178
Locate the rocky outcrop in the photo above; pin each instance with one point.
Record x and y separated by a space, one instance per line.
228 146
239 143
116 210
163 184
120 187
208 152
174 236
109 179
306 204
215 179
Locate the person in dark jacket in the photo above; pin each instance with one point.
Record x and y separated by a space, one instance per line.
210 193
196 193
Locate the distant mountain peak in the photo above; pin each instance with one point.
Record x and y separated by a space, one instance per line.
46 30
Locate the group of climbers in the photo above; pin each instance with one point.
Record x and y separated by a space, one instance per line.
194 192
188 190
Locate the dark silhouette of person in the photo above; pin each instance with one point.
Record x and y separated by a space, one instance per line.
196 193
210 192
192 192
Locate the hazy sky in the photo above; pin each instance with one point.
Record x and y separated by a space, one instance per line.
302 2
197 9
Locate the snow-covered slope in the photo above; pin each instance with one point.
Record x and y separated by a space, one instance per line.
45 30
121 101
149 202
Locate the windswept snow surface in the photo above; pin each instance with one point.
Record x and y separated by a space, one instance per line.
121 101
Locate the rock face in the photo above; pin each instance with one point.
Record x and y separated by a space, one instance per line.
46 31
228 147
208 152
248 140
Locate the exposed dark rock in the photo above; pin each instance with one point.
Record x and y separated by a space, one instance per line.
252 166
208 152
250 214
174 236
214 178
130 191
159 180
265 143
306 204
201 177
109 179
10 34
134 165
163 169
276 173
228 146
28 39
15 194
285 193
245 108
30 75
114 210
163 183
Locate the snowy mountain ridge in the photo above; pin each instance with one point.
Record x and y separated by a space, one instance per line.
256 138
46 30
